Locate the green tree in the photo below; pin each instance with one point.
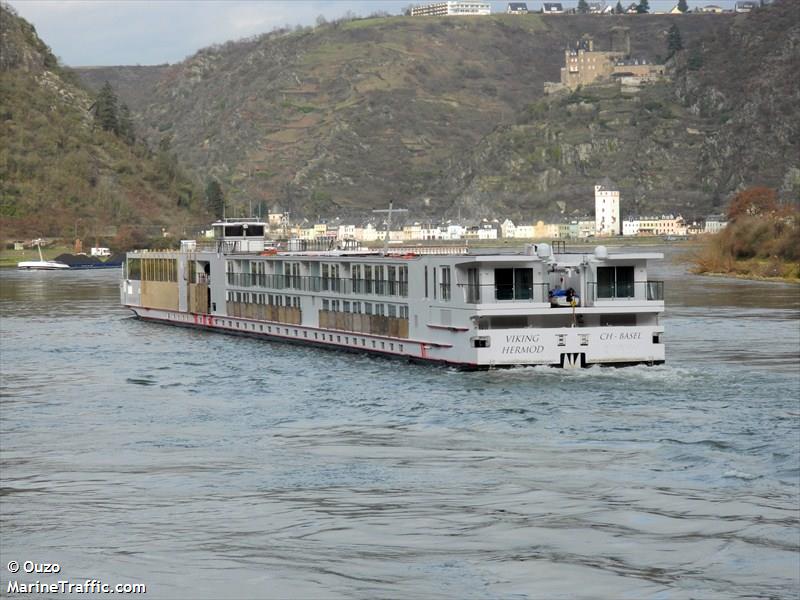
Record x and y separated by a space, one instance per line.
644 7
683 6
105 109
126 124
674 41
619 10
583 7
215 200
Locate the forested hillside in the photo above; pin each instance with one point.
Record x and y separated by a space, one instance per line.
69 164
350 115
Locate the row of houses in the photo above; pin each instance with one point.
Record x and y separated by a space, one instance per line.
479 7
580 228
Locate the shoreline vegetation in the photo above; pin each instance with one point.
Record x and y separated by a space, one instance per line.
761 241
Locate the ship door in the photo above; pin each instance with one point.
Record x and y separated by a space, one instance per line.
207 272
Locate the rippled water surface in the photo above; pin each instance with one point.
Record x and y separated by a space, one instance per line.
213 466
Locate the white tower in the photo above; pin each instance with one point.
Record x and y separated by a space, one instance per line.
606 209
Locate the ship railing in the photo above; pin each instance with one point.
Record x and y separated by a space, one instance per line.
650 290
491 292
314 283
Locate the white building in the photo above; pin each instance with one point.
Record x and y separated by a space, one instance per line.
715 224
508 229
452 7
630 227
606 209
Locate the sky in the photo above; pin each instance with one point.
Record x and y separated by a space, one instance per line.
148 32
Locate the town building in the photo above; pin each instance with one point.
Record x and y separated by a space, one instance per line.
552 8
745 6
606 209
715 223
663 225
452 7
709 8
517 8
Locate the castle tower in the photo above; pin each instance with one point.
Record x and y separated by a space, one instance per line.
606 209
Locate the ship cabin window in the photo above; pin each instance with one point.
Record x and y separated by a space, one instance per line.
335 305
380 287
330 277
345 306
367 308
473 286
134 269
367 279
326 304
357 307
426 282
403 311
402 273
379 310
615 282
355 275
445 283
513 284
391 310
480 342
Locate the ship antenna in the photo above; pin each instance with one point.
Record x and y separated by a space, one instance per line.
388 224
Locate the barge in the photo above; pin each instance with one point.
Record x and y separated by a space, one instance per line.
470 309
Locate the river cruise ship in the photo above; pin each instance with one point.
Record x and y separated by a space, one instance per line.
471 309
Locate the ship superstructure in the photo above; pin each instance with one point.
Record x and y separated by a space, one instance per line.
541 306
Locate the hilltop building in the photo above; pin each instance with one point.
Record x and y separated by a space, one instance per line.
452 7
606 209
552 8
517 8
584 65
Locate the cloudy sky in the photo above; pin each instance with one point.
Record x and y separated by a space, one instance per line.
129 32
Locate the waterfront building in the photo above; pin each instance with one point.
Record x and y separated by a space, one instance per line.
606 209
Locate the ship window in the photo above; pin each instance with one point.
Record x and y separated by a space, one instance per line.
373 343
379 310
135 269
391 347
345 306
404 311
513 284
305 334
403 281
445 283
615 282
363 342
368 308
473 286
480 342
401 347
426 281
391 310
326 304
367 279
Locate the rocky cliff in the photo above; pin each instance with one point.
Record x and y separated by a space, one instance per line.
60 174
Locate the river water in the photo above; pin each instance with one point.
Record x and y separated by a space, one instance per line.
211 466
